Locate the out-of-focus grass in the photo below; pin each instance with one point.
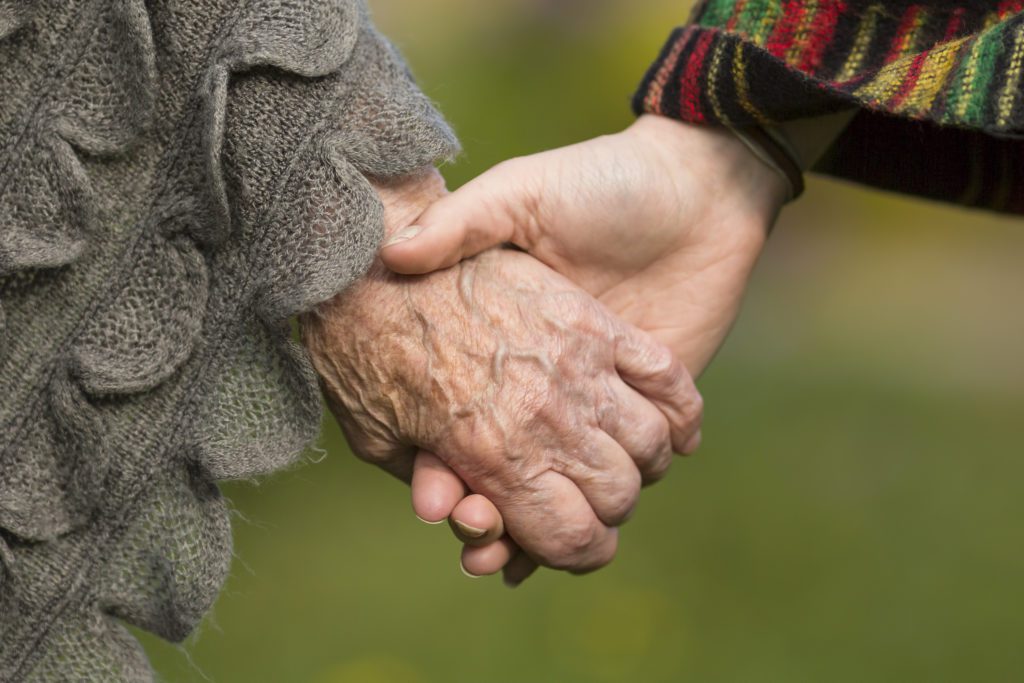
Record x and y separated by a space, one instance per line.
854 515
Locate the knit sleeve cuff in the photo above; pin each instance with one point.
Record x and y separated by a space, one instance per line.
938 89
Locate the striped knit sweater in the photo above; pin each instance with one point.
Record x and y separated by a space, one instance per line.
939 85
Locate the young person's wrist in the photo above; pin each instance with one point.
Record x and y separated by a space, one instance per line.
725 178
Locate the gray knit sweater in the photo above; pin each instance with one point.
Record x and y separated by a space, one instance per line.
178 178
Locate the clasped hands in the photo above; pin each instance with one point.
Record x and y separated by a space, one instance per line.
528 394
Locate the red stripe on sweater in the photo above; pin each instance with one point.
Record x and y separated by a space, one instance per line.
690 84
785 31
735 18
1008 7
914 74
955 25
910 82
906 26
821 35
655 97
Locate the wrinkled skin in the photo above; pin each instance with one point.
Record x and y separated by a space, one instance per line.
528 389
663 223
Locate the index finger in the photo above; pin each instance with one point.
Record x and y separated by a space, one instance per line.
653 370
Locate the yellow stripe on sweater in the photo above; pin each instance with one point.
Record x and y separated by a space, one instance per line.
739 74
890 78
796 50
1011 91
909 41
712 91
934 73
768 21
887 82
861 44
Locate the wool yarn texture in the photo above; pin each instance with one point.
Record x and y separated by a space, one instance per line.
177 181
937 86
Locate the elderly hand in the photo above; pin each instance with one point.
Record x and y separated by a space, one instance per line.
662 222
520 382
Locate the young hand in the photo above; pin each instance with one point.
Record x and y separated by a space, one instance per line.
663 223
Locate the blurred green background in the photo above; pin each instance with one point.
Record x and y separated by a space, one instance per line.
855 514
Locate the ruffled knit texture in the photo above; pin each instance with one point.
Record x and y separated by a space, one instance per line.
177 181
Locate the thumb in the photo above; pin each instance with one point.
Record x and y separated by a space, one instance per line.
436 488
483 213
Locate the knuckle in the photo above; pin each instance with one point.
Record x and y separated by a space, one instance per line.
533 408
577 538
656 470
621 500
663 363
656 460
653 437
696 406
662 369
693 412
685 429
687 409
600 558
566 549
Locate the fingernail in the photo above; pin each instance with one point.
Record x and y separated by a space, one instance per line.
404 235
467 530
427 521
511 584
693 444
464 571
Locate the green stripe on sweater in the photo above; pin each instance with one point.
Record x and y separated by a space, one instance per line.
757 19
717 13
979 91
